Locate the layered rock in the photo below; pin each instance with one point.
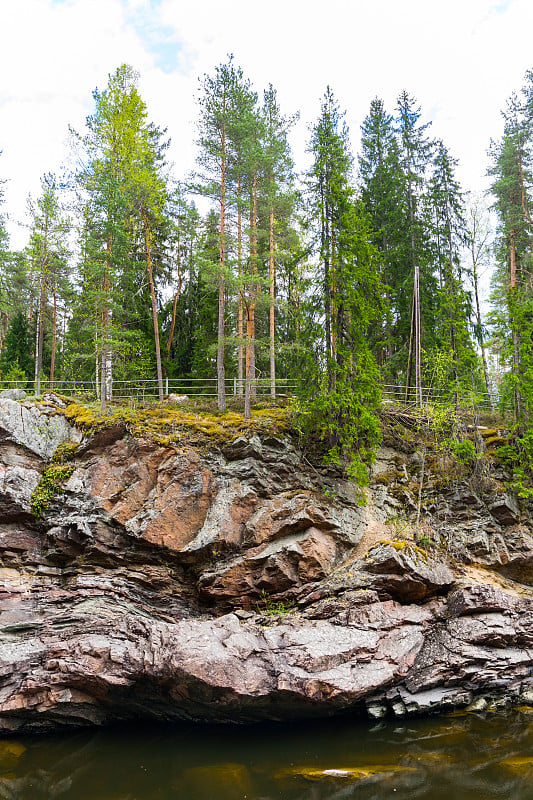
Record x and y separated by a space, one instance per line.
225 586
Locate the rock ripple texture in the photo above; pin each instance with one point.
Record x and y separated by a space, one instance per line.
164 584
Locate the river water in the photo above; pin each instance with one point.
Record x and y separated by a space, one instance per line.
456 757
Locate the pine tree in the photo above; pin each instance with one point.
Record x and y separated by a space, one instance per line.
124 212
218 116
279 201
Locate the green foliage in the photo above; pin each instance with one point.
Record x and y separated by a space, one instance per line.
14 375
342 412
266 605
464 452
50 484
16 363
518 458
344 420
53 478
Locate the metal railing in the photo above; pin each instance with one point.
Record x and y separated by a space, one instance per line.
147 389
430 395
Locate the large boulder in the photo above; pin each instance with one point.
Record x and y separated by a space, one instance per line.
407 572
40 433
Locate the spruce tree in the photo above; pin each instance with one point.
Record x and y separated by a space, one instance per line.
447 227
348 295
382 193
415 156
510 170
17 347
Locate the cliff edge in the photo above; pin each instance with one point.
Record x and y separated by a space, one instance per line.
181 577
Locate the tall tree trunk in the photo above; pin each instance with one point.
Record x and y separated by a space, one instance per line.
272 309
453 305
248 374
516 342
177 296
240 309
418 367
39 331
106 368
149 267
479 326
409 372
250 320
324 246
54 339
415 348
335 330
250 304
221 374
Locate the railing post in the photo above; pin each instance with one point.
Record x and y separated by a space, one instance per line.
166 386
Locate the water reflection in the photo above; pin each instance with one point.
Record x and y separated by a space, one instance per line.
463 757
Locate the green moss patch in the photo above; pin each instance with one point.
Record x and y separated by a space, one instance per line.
167 426
50 484
55 475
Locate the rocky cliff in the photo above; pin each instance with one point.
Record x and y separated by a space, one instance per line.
142 576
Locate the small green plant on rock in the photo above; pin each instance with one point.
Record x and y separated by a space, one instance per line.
272 607
55 475
464 451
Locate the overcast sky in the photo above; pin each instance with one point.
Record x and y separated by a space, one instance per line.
460 59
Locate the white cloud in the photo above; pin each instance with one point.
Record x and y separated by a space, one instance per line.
461 60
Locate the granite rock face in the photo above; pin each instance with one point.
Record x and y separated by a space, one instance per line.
168 584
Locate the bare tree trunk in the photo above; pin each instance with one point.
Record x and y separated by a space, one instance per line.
221 373
39 331
106 368
415 347
240 309
54 340
177 296
96 357
409 372
325 247
418 368
250 319
248 383
481 339
516 343
272 309
149 267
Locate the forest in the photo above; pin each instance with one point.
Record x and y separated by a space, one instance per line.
359 274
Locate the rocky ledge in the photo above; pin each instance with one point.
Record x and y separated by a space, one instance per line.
234 583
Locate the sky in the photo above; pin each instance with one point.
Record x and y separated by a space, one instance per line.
460 60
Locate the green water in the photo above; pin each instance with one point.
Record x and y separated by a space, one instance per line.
446 758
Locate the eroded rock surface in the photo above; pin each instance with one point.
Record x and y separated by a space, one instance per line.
166 584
